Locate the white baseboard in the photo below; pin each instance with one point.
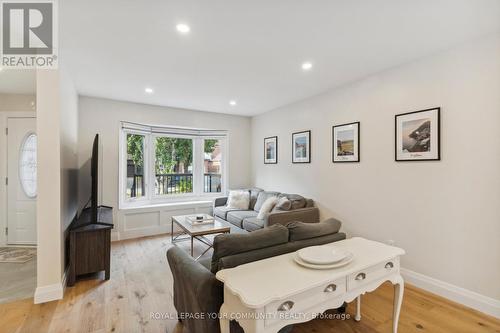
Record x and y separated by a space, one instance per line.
457 294
49 293
52 292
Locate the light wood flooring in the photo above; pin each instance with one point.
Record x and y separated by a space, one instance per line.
17 280
141 284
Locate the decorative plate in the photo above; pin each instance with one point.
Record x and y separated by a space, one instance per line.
321 255
341 263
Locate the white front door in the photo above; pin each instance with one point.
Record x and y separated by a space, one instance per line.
22 187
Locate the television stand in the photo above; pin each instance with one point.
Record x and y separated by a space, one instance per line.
90 244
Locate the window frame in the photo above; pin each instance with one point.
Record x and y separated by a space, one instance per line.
150 134
136 201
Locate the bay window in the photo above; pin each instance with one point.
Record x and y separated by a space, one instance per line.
161 164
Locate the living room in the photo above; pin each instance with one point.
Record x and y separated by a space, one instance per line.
198 161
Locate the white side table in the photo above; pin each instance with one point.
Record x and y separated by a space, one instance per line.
266 295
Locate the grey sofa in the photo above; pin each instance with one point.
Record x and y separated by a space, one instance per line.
198 294
301 209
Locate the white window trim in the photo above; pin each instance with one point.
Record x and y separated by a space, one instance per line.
150 133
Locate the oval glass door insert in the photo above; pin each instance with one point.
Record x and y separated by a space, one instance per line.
28 165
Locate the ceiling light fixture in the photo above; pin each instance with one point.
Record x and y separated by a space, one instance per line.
149 91
232 103
183 28
307 66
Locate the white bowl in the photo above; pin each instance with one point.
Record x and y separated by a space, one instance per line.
341 263
321 255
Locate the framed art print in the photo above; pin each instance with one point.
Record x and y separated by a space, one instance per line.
417 135
271 150
345 139
301 147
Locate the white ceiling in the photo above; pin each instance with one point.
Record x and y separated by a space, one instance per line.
15 81
252 50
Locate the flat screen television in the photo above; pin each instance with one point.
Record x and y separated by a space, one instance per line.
94 175
92 212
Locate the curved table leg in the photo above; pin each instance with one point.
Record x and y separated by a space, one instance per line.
357 317
398 300
223 320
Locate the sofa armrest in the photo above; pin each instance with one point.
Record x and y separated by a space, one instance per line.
221 201
308 215
196 291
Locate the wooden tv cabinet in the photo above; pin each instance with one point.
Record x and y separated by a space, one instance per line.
90 244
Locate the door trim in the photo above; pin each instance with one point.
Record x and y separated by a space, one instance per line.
4 115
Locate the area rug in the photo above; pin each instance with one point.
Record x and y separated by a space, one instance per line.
17 254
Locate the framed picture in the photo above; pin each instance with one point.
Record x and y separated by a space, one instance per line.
301 147
417 135
271 150
345 142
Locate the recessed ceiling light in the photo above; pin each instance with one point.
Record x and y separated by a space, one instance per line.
149 90
183 28
307 66
232 102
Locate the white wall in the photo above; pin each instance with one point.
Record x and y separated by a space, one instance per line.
49 236
103 116
69 155
445 214
57 200
17 102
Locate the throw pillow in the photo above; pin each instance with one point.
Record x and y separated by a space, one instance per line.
238 200
283 204
267 207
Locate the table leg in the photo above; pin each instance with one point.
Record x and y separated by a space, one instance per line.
192 239
172 233
223 321
357 317
398 300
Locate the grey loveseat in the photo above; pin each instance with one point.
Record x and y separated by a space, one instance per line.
300 209
198 295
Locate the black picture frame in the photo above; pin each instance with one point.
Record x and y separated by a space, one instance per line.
358 159
438 139
308 147
265 156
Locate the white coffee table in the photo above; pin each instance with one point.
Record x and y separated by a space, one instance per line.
266 295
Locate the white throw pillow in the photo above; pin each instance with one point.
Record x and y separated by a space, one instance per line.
267 207
239 200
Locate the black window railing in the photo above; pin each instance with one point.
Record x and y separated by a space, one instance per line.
177 183
174 183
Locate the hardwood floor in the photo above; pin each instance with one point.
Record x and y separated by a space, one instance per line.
17 280
141 285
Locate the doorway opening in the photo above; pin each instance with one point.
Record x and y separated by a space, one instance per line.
18 185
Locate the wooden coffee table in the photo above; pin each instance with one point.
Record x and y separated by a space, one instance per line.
197 232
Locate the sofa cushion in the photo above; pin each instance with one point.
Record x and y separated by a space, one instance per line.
239 199
297 201
301 230
283 204
267 207
253 223
254 194
237 217
229 244
222 211
263 196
